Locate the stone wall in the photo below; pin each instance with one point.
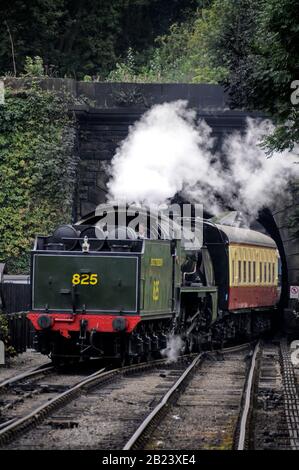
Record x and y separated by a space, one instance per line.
283 212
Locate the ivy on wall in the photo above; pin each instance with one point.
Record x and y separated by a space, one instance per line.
37 169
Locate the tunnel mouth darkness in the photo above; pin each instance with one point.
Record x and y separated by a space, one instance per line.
266 219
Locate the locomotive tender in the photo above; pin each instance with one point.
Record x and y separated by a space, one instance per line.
120 293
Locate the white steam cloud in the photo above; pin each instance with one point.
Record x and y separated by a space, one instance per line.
255 180
168 151
173 349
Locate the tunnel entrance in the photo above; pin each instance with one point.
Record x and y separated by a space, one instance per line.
266 219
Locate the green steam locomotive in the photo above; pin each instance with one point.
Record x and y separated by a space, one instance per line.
120 290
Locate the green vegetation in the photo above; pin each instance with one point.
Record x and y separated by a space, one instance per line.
77 38
183 55
257 42
37 169
249 46
34 67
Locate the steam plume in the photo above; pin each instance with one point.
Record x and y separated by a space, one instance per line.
167 152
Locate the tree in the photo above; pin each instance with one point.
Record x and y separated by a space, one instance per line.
82 37
181 55
33 27
257 42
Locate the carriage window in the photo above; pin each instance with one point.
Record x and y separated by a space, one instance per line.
249 271
253 272
233 271
273 272
239 272
261 272
244 271
265 272
208 267
269 272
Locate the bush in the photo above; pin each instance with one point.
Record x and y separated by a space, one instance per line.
34 67
183 55
4 336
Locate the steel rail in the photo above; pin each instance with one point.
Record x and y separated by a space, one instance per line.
291 397
247 403
30 373
139 433
237 348
98 378
49 405
47 367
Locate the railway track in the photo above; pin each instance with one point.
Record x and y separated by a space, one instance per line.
181 419
32 373
141 434
255 407
23 393
228 399
27 430
291 396
15 390
274 420
111 406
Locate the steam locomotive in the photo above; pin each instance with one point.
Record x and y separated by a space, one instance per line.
117 292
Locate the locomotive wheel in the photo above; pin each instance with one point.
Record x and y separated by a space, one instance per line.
146 357
137 359
56 361
156 355
126 360
60 361
129 360
191 345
